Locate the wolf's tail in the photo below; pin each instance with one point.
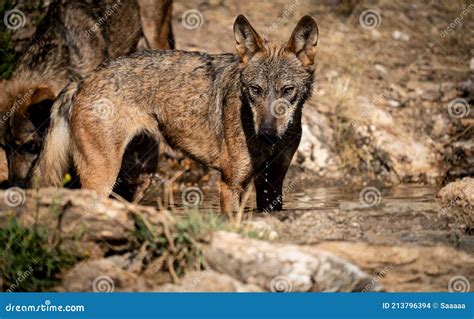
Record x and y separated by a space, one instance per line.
55 158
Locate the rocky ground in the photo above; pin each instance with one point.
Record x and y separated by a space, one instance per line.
389 245
391 106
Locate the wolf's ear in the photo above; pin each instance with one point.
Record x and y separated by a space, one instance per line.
303 40
248 41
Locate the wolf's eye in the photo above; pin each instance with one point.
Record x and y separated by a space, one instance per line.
287 90
255 89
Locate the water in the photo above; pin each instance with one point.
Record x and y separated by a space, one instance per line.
325 198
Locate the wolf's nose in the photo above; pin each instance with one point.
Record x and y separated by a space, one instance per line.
268 135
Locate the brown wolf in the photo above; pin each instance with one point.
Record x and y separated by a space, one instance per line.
237 113
73 39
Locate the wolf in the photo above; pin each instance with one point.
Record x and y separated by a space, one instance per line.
245 120
72 39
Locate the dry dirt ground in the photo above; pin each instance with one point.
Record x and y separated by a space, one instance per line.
382 113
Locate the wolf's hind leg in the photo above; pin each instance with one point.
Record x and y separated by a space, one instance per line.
139 163
97 161
98 174
230 196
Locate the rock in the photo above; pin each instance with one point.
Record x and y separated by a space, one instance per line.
420 87
400 36
449 91
410 158
402 92
471 64
406 267
431 95
378 116
381 69
316 141
208 281
331 75
279 267
83 213
393 103
262 228
461 157
376 35
78 214
412 85
101 275
457 200
441 126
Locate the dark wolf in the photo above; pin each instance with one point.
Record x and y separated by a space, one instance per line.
237 113
72 39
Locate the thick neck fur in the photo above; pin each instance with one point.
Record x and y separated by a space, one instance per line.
226 85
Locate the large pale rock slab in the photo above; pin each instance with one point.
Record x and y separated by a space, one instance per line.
76 213
209 281
278 267
411 158
408 268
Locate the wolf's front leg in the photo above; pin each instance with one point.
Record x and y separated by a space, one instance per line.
229 197
269 181
268 185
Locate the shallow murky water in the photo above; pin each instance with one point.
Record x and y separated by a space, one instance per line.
318 198
333 197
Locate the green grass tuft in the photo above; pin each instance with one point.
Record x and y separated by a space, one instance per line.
28 260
